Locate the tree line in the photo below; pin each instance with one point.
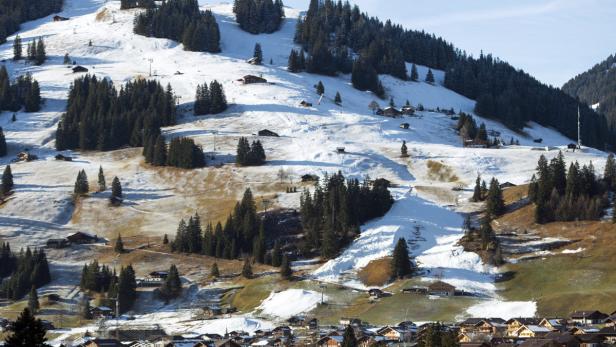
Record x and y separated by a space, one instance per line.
332 214
210 100
249 154
35 50
567 195
101 279
24 270
23 92
182 21
15 12
98 117
259 16
128 4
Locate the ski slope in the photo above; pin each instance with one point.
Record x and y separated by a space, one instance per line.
41 207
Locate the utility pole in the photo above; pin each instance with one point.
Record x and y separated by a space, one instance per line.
579 130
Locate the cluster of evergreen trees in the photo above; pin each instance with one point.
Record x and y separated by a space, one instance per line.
567 195
182 21
15 12
438 335
98 117
365 77
26 331
128 4
250 154
35 50
597 86
210 100
26 270
485 237
101 279
182 153
297 61
401 265
514 98
331 216
259 16
24 92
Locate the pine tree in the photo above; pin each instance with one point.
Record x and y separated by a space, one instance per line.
67 59
247 269
119 245
81 183
17 48
414 73
401 263
172 287
338 99
165 240
404 150
40 55
102 185
3 147
320 88
495 205
349 339
14 118
477 191
160 152
391 102
276 254
430 76
214 272
33 302
7 180
293 64
26 331
126 288
285 268
116 191
258 54
609 174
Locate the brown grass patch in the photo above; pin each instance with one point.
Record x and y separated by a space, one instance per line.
515 194
441 172
376 273
102 15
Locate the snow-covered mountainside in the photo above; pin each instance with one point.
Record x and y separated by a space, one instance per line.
426 211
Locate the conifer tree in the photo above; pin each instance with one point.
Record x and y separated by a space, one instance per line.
349 339
160 152
495 205
401 263
609 174
430 76
285 268
276 254
338 99
27 331
247 269
116 191
81 183
40 55
165 240
17 48
391 102
258 54
3 147
320 88
66 60
477 191
102 184
33 302
293 62
214 272
404 150
126 288
218 100
119 245
414 73
172 287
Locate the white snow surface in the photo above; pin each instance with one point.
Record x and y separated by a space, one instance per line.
503 309
290 302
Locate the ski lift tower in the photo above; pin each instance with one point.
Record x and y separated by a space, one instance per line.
579 126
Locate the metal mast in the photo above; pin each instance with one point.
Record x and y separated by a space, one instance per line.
579 143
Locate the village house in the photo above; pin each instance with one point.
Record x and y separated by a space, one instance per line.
395 334
389 112
441 288
102 343
57 243
514 324
375 293
251 79
330 341
582 330
554 324
81 238
531 331
609 334
588 317
405 126
408 110
266 132
491 326
350 321
539 343
611 320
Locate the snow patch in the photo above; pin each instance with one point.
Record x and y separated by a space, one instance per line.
503 309
290 302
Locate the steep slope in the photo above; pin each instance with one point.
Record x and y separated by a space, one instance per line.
597 87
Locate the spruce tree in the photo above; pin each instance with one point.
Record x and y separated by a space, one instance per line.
7 180
17 48
320 88
349 339
26 331
3 147
293 62
214 272
81 183
67 59
102 185
276 254
495 205
160 152
126 288
247 269
338 99
40 55
119 245
477 191
609 174
285 268
258 54
430 76
414 73
404 150
401 263
116 191
172 287
165 240
33 302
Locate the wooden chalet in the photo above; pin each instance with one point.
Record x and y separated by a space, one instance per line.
514 324
330 341
252 79
57 243
266 132
440 288
531 331
79 69
588 317
82 238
